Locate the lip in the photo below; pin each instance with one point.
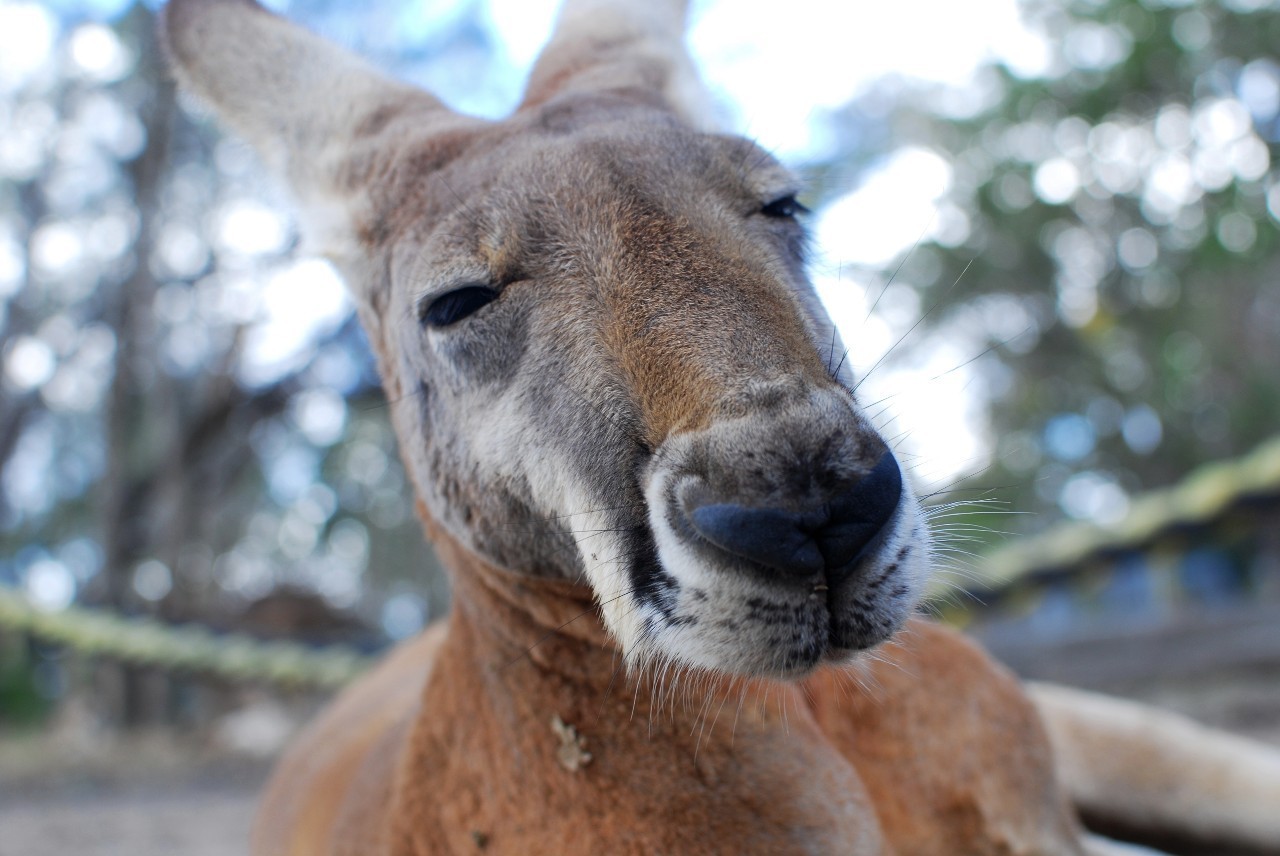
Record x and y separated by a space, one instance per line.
715 609
651 582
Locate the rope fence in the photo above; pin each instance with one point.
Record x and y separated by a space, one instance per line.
1205 494
192 648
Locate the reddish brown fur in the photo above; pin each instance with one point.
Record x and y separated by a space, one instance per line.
686 367
665 297
748 767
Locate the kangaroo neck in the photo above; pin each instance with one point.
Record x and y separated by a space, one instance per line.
517 619
528 688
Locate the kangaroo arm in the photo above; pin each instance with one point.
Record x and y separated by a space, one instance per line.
1160 776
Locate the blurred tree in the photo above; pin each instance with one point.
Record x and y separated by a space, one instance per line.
1117 211
189 414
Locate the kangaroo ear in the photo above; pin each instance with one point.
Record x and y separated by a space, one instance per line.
637 48
317 114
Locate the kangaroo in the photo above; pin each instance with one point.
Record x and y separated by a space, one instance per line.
684 563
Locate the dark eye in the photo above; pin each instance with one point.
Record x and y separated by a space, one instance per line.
457 304
787 206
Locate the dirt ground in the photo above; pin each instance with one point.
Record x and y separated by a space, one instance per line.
151 795
183 822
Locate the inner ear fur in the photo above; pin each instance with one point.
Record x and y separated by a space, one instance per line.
639 50
317 114
331 125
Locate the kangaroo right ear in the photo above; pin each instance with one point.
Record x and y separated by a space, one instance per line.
317 114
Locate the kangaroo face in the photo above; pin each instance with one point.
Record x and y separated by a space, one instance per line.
604 357
612 367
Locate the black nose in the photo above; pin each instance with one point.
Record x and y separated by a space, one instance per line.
830 537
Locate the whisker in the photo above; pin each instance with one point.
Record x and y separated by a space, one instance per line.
913 327
915 246
993 346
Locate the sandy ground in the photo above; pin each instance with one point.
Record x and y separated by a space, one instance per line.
71 794
186 822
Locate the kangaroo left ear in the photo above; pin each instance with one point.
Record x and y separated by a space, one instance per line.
610 47
320 117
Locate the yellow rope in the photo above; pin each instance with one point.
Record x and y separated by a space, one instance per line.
1200 497
145 641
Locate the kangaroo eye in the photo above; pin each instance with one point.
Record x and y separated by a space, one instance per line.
457 304
786 207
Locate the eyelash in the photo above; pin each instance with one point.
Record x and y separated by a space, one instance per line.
785 207
454 306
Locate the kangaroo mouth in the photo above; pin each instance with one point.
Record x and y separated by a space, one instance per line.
770 590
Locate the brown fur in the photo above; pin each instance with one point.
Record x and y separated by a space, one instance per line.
868 763
608 682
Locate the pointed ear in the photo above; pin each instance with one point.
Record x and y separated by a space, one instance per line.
317 114
613 45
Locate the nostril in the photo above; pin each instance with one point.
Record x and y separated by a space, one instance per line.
768 536
831 537
860 513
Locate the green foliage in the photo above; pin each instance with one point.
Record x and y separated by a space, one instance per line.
179 432
1121 228
20 701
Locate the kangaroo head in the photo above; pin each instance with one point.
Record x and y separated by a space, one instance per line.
593 321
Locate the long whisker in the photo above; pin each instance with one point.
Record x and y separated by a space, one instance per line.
913 327
902 263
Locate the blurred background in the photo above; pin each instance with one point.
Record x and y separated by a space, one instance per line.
1047 229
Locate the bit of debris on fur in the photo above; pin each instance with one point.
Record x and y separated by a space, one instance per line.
481 840
572 753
